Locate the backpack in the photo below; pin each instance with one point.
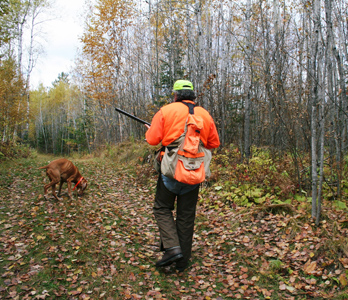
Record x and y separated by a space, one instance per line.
186 159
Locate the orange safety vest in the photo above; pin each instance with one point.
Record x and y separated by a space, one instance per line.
188 132
169 123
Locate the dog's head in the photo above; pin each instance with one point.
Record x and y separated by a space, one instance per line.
82 186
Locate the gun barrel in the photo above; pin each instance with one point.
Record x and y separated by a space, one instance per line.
131 116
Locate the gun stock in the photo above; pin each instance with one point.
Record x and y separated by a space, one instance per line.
131 116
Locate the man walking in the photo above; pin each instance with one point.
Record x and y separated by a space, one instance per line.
167 126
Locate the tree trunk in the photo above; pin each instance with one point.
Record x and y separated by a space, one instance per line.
248 84
314 105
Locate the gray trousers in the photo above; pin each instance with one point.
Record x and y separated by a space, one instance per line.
179 231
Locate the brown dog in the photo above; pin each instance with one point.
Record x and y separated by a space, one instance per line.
63 170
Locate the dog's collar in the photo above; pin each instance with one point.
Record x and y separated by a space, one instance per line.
77 183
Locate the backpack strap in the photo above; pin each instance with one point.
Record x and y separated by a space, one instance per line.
191 107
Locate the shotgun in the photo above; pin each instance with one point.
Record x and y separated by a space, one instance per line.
131 116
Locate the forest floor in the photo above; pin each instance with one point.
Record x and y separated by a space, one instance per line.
104 245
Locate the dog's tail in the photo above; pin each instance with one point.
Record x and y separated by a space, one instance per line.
44 167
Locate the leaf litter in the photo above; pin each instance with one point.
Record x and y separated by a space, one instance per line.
104 245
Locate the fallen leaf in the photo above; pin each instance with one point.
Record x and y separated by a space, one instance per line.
344 262
246 239
310 267
343 279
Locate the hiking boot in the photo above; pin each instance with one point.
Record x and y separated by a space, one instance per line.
170 255
181 266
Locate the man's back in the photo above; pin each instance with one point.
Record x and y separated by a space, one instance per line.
169 123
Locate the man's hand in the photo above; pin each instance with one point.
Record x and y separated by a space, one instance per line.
147 126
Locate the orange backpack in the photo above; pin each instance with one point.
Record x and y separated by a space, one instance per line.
186 159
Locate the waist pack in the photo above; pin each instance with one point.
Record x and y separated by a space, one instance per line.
186 159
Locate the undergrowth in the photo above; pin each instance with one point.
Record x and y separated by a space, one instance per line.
12 150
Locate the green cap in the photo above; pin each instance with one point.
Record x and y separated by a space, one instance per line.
182 85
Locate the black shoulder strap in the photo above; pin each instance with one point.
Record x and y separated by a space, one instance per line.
191 107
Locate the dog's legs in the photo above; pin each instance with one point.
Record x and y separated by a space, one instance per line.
54 180
68 181
45 190
53 185
54 191
60 187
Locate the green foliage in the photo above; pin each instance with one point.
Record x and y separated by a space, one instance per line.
244 194
61 120
342 296
11 150
130 152
259 181
263 180
341 205
6 22
62 77
171 69
275 264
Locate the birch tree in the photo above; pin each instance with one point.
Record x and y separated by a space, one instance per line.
248 79
103 52
314 73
